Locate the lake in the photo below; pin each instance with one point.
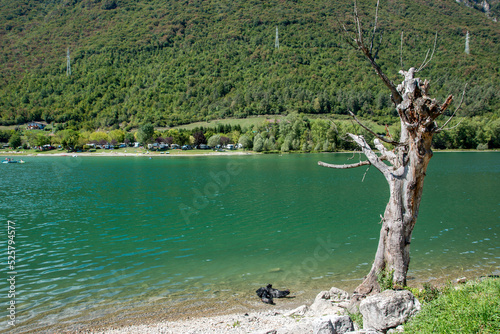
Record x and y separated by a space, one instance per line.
97 236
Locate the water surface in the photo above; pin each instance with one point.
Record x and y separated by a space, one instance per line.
120 233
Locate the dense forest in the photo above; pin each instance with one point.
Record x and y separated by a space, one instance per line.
175 62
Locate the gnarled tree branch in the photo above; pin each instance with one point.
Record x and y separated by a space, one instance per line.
359 164
385 153
373 159
372 132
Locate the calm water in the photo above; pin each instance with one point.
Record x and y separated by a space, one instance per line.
124 232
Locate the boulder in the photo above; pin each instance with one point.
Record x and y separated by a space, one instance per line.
323 305
323 325
342 323
388 309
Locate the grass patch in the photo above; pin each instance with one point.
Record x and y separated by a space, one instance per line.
342 120
357 318
243 122
469 308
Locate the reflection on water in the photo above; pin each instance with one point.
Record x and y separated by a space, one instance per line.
99 235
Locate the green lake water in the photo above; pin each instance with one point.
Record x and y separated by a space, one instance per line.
121 233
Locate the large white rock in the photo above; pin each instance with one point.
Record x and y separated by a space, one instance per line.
323 325
388 309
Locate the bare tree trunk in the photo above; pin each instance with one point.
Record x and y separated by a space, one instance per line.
400 216
405 174
407 166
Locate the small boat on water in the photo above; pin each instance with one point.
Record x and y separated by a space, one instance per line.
10 161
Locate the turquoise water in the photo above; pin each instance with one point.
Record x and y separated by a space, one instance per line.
124 232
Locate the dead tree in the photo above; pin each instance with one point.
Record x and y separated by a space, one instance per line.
406 167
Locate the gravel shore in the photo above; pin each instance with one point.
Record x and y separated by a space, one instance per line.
255 322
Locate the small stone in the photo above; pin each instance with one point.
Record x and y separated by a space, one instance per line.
299 311
399 329
323 295
462 280
338 295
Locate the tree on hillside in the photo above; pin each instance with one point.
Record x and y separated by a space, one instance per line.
245 141
214 140
117 135
199 138
69 139
5 135
407 163
15 140
129 138
41 140
99 136
224 140
145 133
258 143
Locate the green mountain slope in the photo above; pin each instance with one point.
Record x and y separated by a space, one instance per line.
175 62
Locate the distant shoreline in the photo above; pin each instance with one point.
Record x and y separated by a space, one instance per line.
177 153
122 154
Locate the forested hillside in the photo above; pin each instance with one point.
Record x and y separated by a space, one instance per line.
175 62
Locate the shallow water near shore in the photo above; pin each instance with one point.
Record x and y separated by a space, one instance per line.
170 236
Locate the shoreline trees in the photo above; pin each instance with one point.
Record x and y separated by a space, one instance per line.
314 135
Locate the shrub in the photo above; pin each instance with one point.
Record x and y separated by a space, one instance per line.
384 279
482 147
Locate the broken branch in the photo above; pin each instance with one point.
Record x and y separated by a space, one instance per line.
372 132
453 115
374 27
424 63
359 164
396 96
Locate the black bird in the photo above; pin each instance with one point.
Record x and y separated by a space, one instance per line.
268 293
